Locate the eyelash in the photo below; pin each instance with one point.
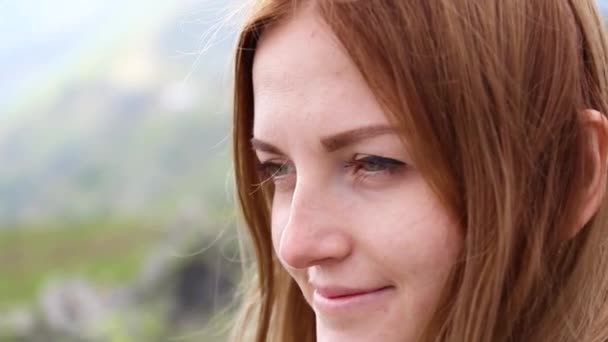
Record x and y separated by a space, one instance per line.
388 166
269 171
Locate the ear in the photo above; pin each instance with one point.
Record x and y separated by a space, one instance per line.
595 130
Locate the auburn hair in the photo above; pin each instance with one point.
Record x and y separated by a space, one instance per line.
488 95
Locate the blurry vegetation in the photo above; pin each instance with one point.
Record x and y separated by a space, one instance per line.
116 210
109 253
118 280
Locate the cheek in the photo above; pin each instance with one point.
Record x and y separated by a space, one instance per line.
414 236
279 219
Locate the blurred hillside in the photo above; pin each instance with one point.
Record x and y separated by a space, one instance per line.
114 114
116 219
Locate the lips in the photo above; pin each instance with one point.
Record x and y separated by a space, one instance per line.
344 302
344 292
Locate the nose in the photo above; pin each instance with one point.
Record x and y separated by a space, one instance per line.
315 232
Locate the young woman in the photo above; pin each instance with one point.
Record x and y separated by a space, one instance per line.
431 170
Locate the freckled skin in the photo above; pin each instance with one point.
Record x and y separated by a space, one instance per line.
387 229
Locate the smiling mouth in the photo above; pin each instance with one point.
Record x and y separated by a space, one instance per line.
339 292
343 300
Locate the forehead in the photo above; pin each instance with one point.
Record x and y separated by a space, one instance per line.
303 75
299 47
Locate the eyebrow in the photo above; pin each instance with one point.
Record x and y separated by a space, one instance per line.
333 142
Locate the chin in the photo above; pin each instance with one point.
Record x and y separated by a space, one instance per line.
381 334
387 326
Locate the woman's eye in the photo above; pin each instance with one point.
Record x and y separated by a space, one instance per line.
274 170
370 165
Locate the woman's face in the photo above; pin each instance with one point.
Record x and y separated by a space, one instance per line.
353 221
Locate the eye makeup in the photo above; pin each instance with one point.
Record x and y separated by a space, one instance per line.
360 167
364 166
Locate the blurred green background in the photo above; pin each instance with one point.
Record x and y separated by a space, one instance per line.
116 208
